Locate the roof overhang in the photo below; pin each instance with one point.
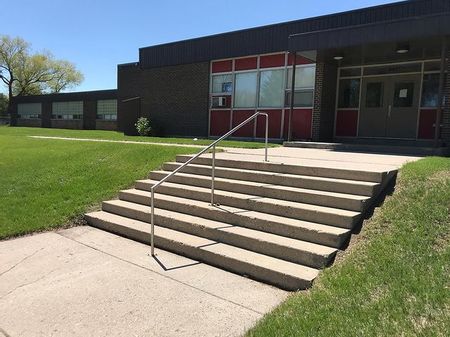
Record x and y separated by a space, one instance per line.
387 31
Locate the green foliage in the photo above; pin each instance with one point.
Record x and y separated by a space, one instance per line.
143 126
394 281
27 73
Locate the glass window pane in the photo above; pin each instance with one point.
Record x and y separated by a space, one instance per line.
271 88
303 98
245 92
304 77
430 90
403 95
67 110
349 93
29 110
374 95
107 109
222 84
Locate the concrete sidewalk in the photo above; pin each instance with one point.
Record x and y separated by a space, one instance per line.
86 282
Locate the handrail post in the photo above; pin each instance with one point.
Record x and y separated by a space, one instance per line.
152 220
213 168
267 136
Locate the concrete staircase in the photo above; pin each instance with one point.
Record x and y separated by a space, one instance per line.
277 223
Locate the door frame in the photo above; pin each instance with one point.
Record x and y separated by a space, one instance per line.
361 76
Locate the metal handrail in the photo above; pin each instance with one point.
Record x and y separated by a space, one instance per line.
213 165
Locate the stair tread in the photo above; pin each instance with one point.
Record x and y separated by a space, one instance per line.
369 174
277 202
260 184
234 229
319 228
260 260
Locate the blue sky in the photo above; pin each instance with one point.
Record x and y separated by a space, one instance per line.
98 35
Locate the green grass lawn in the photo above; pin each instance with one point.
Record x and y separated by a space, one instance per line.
394 280
114 135
49 183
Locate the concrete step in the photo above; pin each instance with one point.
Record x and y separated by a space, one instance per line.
320 214
336 173
324 215
293 250
293 228
284 274
321 198
354 187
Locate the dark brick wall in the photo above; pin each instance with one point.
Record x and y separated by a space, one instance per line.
35 123
46 114
175 98
445 131
324 101
89 114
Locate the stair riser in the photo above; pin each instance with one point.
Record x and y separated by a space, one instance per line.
290 169
202 254
264 191
217 214
263 247
332 219
330 186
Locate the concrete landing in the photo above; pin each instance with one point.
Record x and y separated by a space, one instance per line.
87 282
371 162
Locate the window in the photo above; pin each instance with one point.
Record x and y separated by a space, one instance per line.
271 88
29 110
304 86
403 95
107 109
245 92
222 84
349 93
374 95
430 91
304 77
67 110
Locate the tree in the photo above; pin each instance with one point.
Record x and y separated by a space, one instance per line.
25 73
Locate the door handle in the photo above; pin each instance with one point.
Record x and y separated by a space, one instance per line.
389 110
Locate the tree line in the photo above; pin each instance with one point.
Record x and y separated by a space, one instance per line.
24 72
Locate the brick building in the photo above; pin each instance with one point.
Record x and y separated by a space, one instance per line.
376 74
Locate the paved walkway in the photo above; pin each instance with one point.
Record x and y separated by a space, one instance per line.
117 141
86 282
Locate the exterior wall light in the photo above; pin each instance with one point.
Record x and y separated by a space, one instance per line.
338 58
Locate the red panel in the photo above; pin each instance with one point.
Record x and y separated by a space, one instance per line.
220 122
301 123
245 63
222 66
426 120
274 124
238 117
346 123
300 60
271 61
